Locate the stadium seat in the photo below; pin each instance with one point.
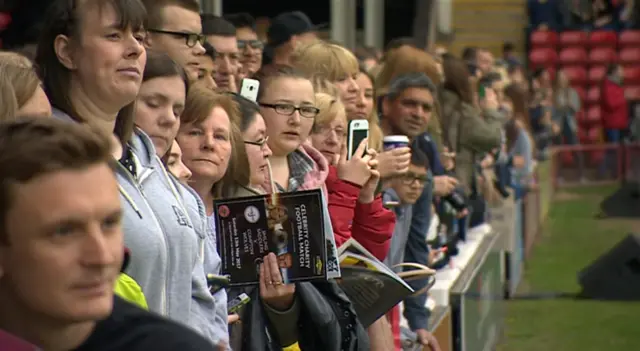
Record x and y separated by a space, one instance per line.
573 56
593 115
632 74
577 75
602 56
629 56
597 74
593 96
543 39
594 135
629 38
573 38
581 118
632 92
603 38
543 57
581 92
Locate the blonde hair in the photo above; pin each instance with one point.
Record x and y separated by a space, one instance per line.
325 60
331 108
19 84
200 102
8 57
324 86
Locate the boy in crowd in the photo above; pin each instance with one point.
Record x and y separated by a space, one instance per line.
402 192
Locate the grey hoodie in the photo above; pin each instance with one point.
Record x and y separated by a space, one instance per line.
166 236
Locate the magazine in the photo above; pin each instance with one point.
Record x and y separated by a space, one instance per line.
372 287
291 225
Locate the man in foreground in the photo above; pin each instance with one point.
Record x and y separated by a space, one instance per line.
61 245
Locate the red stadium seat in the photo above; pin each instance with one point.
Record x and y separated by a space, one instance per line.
593 115
593 96
629 38
603 38
543 39
594 135
581 117
602 56
581 92
632 93
597 74
573 38
543 57
573 56
632 74
629 56
577 75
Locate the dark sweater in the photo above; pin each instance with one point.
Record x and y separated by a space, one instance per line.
131 328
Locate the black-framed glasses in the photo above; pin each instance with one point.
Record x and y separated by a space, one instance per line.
288 109
254 44
191 39
260 143
410 178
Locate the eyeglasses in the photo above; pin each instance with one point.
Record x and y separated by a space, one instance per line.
326 130
262 143
191 39
254 44
288 109
410 178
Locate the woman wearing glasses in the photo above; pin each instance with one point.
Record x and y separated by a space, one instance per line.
355 210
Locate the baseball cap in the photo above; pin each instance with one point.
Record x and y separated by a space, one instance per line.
286 25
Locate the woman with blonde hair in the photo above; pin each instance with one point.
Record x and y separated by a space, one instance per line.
21 90
323 61
355 209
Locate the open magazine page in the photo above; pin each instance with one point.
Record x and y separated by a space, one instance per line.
291 225
372 287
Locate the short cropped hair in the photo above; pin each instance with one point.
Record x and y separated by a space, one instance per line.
419 158
242 20
31 147
216 25
155 19
410 80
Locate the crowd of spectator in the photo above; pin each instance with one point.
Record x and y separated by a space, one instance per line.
559 15
158 85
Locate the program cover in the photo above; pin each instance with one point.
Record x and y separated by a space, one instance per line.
291 225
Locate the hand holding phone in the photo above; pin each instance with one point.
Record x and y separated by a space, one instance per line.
357 132
249 89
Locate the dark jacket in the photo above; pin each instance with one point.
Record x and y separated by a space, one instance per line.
327 321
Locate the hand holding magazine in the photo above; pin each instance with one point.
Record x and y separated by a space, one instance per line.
291 225
372 287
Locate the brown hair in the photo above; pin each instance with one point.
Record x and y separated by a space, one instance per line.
324 60
19 81
155 18
270 73
519 99
60 146
65 18
456 78
200 102
405 60
375 132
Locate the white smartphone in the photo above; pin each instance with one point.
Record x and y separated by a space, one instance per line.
358 131
249 89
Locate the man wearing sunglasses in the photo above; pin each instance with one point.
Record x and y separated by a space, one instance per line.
248 43
174 28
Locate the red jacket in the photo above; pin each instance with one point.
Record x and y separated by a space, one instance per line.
370 224
614 107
